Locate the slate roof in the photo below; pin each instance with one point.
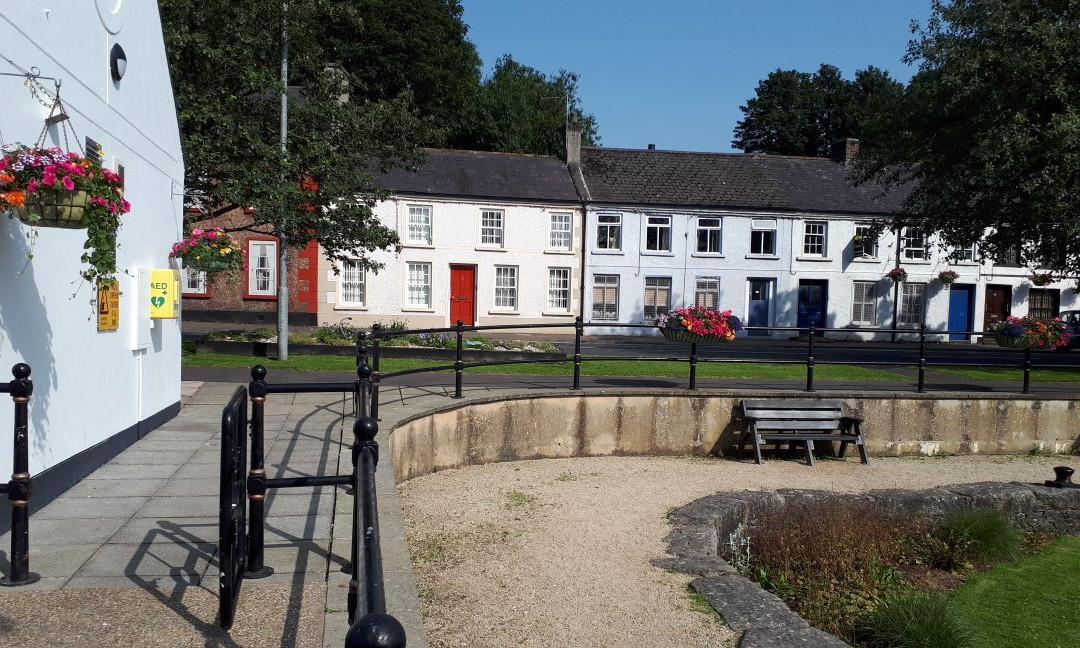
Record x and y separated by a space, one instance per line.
476 174
721 180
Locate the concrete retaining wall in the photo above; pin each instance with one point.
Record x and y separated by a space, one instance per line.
650 422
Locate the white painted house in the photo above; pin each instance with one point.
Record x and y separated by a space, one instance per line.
95 391
781 241
487 239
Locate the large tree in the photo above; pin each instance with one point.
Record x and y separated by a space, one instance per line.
798 113
987 136
519 109
225 61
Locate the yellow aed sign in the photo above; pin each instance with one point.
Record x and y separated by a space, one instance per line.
108 306
164 294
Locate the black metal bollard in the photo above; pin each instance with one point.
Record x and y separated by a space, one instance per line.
578 330
256 485
458 364
1027 370
810 359
375 371
19 488
922 359
363 373
693 365
375 629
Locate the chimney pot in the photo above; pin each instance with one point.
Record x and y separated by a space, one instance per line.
652 147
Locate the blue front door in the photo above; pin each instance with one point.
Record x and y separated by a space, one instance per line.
961 310
758 311
813 300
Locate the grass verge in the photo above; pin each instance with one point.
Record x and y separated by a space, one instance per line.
347 364
1030 602
1010 374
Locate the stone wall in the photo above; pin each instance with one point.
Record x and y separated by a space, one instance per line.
651 422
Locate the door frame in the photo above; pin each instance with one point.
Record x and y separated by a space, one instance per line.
971 289
475 272
770 282
824 284
986 297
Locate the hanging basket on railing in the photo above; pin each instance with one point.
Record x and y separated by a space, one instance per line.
1012 342
698 325
686 337
1030 333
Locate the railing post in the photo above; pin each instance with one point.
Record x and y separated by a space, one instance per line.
458 364
256 485
1027 370
19 488
922 358
693 365
810 359
375 329
363 376
376 628
578 329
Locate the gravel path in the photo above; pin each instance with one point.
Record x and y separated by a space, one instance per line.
556 552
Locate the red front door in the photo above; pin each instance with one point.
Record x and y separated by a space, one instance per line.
462 294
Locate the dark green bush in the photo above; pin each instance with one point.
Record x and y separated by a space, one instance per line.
983 536
911 619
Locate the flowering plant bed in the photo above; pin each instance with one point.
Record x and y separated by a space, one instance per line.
1029 332
897 274
947 277
49 187
209 250
699 325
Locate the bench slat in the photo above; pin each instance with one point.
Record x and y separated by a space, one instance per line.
795 404
812 437
758 415
798 425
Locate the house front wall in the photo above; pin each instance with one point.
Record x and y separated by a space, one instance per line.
525 257
763 258
92 389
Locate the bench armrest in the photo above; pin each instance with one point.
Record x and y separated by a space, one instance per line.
853 419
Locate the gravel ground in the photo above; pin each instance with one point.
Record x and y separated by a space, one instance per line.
556 552
268 615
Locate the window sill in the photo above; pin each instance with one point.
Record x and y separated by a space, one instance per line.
350 307
260 297
707 255
915 262
416 309
659 253
489 248
196 295
503 312
866 260
422 246
763 257
609 252
814 259
564 252
556 313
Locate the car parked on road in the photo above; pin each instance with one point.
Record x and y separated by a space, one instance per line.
1072 325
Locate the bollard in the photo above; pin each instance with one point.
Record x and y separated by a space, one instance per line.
922 359
810 359
256 485
363 373
458 364
375 371
19 488
1027 370
693 366
578 329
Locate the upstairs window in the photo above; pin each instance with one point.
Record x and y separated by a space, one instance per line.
708 235
964 254
915 246
262 268
763 236
814 238
865 242
609 232
491 228
559 233
658 233
419 230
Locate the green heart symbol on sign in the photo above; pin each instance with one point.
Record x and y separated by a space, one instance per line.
158 302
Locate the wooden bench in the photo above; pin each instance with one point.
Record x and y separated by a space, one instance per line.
790 421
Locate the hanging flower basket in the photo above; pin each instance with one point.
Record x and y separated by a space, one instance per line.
1041 279
947 277
209 250
1029 332
898 275
50 187
1011 342
698 325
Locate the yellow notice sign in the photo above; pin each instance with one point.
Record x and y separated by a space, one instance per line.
164 294
108 306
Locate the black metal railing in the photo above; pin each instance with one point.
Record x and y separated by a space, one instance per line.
921 362
242 534
20 487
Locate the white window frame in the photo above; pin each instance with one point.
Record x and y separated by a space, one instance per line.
561 231
607 285
559 291
256 272
611 226
912 304
762 226
964 254
658 284
660 225
492 228
418 282
419 225
714 233
915 246
864 303
705 287
815 238
505 288
193 282
867 248
352 272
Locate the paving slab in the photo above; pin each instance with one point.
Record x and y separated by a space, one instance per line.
80 508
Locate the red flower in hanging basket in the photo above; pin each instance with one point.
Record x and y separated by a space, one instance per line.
897 274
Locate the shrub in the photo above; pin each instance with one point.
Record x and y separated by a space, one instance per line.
982 536
912 619
339 335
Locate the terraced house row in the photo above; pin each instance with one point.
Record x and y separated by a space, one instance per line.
622 235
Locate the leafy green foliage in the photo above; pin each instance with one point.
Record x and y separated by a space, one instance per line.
983 536
798 113
910 619
986 137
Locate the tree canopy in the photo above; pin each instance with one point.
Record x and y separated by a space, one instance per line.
520 110
798 113
986 137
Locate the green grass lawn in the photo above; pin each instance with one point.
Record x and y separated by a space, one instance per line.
1033 602
1011 374
347 364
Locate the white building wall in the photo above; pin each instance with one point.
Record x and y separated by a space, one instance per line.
456 241
89 385
736 266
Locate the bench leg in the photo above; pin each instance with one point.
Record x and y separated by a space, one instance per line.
809 452
757 449
843 449
862 444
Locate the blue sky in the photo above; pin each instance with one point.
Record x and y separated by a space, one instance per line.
674 73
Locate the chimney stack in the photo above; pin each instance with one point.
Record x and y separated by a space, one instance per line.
844 151
652 147
573 144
